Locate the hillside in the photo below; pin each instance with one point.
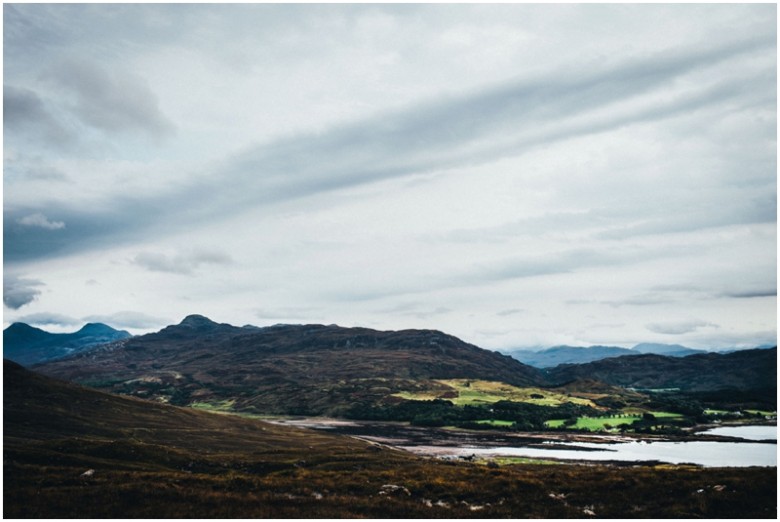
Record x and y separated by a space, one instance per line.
74 452
28 345
742 370
302 369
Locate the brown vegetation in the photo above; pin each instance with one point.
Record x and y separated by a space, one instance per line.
75 452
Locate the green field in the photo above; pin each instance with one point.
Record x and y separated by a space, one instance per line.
763 412
476 392
218 406
600 423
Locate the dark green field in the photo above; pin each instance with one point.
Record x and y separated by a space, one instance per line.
74 452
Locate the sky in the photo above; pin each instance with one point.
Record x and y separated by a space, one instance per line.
516 175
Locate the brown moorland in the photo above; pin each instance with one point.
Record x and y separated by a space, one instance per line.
75 452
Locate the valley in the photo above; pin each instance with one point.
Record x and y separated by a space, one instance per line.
74 452
208 419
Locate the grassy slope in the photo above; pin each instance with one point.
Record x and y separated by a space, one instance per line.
474 391
157 461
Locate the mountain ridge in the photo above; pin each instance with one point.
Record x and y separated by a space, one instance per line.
28 345
564 354
306 369
742 370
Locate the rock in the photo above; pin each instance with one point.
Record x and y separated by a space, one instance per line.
394 489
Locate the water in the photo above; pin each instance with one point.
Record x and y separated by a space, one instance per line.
444 443
745 432
703 453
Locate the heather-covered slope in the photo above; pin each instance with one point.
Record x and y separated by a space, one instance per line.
306 369
72 452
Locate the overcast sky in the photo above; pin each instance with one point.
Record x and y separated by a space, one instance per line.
515 175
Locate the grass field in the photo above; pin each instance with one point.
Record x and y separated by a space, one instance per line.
475 392
218 406
763 412
601 423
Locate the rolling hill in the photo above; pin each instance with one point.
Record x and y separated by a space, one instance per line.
299 369
28 345
742 370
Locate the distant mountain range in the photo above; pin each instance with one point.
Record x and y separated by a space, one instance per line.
551 357
28 345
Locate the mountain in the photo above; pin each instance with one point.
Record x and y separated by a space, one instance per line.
672 350
28 345
294 369
556 355
742 370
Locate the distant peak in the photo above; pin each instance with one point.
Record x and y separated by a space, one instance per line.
197 321
96 328
21 327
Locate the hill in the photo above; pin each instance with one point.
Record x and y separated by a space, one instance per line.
742 370
299 369
556 355
28 345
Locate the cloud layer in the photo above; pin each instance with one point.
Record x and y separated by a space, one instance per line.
513 174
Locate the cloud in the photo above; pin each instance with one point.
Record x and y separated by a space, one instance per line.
18 292
46 318
287 313
39 220
679 327
113 101
182 263
749 294
511 311
129 319
504 120
26 112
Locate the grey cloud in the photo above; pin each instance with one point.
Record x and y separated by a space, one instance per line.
679 327
43 173
46 318
415 309
111 101
18 291
564 261
506 120
25 112
640 300
749 294
552 263
129 319
182 263
735 211
511 311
